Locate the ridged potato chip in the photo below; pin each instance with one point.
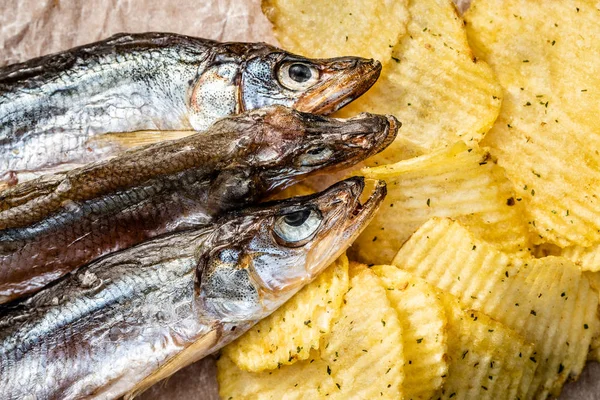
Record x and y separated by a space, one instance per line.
301 380
587 258
433 85
594 278
457 181
425 71
547 136
423 320
360 358
295 328
548 301
367 28
487 359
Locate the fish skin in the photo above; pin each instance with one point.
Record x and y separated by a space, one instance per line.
55 224
132 318
53 107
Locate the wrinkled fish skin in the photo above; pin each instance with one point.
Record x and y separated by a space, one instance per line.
53 225
53 107
133 318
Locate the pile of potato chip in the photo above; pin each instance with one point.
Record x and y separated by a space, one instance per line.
479 276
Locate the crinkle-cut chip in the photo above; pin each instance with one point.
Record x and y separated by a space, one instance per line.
456 181
433 85
366 356
487 359
423 320
548 301
594 278
545 55
587 258
361 357
301 380
295 328
321 29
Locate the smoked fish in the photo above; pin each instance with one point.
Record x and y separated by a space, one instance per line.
56 110
57 223
133 318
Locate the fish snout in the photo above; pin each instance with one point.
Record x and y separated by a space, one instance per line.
351 188
369 69
370 131
365 66
343 80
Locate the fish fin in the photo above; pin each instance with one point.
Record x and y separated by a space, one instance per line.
200 348
4 185
128 140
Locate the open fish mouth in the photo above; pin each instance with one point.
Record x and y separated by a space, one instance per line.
355 218
361 214
349 80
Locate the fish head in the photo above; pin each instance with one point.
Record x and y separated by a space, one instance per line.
284 145
258 258
321 86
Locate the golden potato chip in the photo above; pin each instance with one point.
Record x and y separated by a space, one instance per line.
365 354
367 28
548 301
425 72
301 380
361 357
594 278
547 136
423 321
587 258
295 328
434 85
458 182
487 359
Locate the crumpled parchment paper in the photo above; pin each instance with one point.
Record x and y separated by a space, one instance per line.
31 28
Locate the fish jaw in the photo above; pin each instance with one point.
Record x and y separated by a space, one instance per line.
345 80
355 222
248 279
361 137
316 144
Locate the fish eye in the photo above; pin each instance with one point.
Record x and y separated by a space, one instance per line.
300 72
315 156
297 75
295 228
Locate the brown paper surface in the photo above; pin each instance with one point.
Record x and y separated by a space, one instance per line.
31 28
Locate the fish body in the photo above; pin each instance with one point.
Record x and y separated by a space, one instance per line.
128 320
54 108
57 223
